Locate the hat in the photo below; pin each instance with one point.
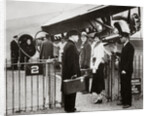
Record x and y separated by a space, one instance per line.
41 34
101 35
122 27
72 32
84 34
15 36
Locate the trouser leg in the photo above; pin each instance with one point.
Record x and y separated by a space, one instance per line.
69 102
126 89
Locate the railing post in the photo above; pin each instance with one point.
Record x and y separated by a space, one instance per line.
46 84
43 85
111 77
37 92
31 93
49 84
25 88
13 106
54 84
6 85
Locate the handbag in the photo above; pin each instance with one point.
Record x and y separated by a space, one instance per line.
74 85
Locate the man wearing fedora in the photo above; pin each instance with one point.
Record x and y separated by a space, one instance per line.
70 67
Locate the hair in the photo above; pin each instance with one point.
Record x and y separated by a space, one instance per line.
72 32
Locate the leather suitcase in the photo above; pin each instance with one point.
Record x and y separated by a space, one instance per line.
74 85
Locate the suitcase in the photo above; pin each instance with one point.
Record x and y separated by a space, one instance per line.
74 85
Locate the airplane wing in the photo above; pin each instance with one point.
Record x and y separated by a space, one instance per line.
80 19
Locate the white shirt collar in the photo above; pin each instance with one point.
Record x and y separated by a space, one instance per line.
15 40
126 43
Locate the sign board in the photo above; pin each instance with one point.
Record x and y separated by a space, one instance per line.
136 86
34 69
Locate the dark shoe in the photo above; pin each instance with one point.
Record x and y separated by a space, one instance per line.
75 109
126 106
71 110
98 102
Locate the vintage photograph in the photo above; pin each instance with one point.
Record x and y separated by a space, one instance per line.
68 58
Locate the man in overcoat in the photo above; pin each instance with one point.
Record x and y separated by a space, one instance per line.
47 48
126 70
70 67
14 52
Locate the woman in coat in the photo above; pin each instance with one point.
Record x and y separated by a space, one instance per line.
85 54
99 52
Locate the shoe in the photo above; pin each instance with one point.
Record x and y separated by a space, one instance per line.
98 101
72 110
126 106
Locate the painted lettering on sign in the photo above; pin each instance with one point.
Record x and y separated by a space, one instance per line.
34 69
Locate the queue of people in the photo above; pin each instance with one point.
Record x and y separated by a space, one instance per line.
71 66
92 55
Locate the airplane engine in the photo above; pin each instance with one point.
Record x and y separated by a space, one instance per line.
26 45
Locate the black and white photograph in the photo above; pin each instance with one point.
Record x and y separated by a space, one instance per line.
72 58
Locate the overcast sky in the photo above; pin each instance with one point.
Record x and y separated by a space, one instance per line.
20 9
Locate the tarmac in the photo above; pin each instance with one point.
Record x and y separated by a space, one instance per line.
85 103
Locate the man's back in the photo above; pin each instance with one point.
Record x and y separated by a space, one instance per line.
14 48
46 50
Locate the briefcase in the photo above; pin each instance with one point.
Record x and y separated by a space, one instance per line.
74 85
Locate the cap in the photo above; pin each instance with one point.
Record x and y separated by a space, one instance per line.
84 34
15 36
122 27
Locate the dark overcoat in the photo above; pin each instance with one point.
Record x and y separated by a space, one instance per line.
70 67
127 54
85 56
126 64
70 61
46 50
14 53
14 49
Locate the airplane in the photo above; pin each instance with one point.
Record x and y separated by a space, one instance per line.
88 18
93 19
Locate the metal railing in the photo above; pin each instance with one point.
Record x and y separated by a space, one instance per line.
112 77
32 92
27 93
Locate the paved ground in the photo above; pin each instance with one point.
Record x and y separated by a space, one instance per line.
84 103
